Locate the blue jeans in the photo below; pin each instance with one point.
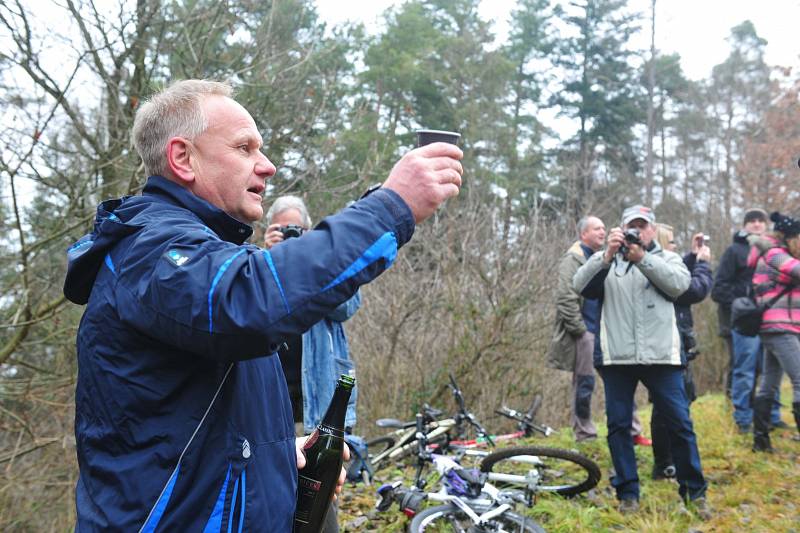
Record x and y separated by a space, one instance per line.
748 359
665 384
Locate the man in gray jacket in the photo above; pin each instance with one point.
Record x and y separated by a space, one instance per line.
637 282
576 324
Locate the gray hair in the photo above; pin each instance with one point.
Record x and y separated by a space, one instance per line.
284 203
582 223
172 112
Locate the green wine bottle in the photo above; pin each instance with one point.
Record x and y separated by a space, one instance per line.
323 451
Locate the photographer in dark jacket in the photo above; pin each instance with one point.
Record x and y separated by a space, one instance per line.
732 281
697 262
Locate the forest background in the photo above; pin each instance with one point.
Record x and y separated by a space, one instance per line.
473 292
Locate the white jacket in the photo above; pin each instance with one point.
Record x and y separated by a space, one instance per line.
637 324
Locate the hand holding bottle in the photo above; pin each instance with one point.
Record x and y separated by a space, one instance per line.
301 462
322 476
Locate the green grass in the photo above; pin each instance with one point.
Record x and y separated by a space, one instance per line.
747 491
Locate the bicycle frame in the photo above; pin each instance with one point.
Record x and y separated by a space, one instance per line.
491 503
406 440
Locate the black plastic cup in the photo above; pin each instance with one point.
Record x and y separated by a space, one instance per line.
436 136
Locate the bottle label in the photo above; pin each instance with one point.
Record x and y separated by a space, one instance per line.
307 492
328 430
310 440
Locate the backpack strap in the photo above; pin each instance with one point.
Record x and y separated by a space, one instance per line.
780 295
772 301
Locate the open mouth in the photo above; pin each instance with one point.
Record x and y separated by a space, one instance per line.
257 189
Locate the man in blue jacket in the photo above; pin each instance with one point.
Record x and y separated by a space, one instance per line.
183 420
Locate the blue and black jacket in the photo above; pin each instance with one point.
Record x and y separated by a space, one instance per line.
183 420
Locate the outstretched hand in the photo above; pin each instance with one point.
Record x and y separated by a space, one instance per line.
427 176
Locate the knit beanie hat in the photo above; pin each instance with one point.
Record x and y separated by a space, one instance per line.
754 213
787 225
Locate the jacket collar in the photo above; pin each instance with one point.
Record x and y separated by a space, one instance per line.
221 223
587 252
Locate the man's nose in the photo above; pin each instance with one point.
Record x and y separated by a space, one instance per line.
264 167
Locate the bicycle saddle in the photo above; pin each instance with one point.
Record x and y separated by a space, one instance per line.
392 423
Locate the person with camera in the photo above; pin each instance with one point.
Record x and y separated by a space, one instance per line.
775 259
573 343
314 360
637 281
732 281
183 420
697 261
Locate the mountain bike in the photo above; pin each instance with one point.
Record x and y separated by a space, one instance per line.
468 501
402 441
526 422
444 432
564 472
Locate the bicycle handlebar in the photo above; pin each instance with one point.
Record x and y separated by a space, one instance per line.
525 424
463 414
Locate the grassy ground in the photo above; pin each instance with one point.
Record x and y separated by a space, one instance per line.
747 491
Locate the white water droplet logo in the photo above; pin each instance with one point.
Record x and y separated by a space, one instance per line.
246 449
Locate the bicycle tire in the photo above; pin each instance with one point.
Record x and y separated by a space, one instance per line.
379 445
376 447
435 518
564 472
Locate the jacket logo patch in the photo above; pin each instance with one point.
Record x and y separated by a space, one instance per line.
176 258
246 449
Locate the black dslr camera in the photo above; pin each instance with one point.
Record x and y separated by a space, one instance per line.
631 237
291 230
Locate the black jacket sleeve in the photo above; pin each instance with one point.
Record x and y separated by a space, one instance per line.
725 281
700 284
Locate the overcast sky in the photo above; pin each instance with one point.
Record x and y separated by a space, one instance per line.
696 29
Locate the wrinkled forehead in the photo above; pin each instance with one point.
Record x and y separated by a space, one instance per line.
228 117
595 223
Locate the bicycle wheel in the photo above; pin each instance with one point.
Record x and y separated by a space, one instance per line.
551 469
379 445
447 518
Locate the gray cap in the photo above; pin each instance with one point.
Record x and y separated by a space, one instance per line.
638 211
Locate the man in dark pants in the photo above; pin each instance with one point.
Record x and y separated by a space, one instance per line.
733 280
697 262
640 342
576 325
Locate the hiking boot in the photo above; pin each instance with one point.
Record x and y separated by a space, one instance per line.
641 440
701 508
761 412
744 429
796 413
628 506
780 424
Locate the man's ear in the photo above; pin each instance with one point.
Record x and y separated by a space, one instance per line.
179 159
